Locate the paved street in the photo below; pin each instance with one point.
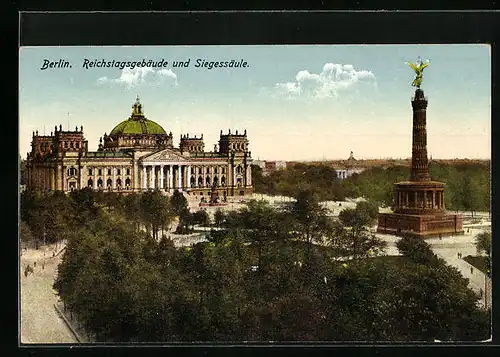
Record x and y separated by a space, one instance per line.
40 322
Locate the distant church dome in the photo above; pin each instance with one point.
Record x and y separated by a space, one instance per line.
137 124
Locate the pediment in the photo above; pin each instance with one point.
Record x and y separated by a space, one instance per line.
166 155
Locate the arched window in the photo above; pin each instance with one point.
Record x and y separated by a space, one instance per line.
90 171
119 183
192 181
223 181
200 181
77 145
208 170
207 180
119 172
99 183
127 184
216 180
238 181
215 170
109 171
99 172
109 183
90 183
223 170
128 171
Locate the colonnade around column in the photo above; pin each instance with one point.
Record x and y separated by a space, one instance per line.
427 199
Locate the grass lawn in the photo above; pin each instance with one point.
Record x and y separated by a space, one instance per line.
477 262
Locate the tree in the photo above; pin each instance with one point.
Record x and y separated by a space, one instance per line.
482 241
178 202
367 212
156 210
201 217
351 237
471 195
310 219
219 217
25 232
416 249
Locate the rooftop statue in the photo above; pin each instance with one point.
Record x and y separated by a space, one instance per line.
419 69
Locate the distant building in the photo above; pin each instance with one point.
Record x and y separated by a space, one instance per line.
270 166
348 167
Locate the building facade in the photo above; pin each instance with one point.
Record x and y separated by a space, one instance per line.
138 155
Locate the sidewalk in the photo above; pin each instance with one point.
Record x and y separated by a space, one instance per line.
40 322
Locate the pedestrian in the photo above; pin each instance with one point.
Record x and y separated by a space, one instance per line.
34 264
53 254
458 255
472 270
43 265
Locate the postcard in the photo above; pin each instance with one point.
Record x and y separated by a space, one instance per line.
248 194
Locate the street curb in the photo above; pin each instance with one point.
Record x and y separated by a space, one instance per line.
61 314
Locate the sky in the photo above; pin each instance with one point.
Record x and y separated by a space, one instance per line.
296 102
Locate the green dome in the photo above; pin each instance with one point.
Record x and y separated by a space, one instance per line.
137 124
141 126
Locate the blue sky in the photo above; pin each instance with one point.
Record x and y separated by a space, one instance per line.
296 102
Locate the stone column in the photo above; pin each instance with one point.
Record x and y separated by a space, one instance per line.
114 178
105 172
171 178
81 170
179 174
415 204
188 176
123 176
433 199
144 178
425 199
153 176
95 178
161 177
64 184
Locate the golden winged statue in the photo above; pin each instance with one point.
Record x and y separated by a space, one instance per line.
419 69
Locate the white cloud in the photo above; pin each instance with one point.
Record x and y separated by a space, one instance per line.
141 76
333 79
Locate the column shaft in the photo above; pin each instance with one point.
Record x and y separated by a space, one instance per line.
171 177
153 176
179 174
161 177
